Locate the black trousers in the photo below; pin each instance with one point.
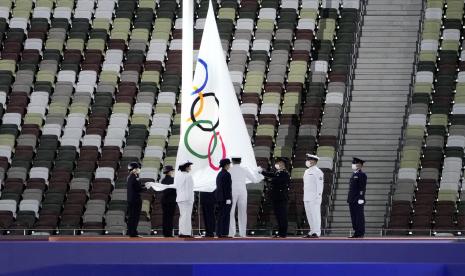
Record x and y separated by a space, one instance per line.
358 218
208 211
168 215
134 209
224 210
280 211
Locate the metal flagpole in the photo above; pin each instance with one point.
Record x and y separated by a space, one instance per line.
187 45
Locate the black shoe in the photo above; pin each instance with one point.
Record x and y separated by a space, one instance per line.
356 237
209 236
312 236
224 237
279 237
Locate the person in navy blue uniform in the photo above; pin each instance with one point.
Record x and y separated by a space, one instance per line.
280 180
356 198
223 198
168 202
208 203
134 188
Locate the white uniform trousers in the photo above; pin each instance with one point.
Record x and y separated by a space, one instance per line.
239 199
313 212
185 217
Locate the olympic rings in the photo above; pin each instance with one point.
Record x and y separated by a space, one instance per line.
198 123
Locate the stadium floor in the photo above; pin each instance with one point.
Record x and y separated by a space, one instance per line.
250 256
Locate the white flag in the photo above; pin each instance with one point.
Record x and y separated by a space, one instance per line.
212 126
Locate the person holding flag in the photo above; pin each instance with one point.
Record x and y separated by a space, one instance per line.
184 186
280 180
168 202
240 176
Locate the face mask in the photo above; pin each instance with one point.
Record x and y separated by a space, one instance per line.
354 167
277 166
308 164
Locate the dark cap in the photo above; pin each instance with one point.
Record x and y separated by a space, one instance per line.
282 159
356 160
168 169
133 165
224 162
236 159
185 165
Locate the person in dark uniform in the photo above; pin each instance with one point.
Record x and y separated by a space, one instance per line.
208 202
134 188
280 180
168 202
224 198
356 198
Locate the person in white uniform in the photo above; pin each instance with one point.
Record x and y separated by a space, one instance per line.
239 176
313 191
184 185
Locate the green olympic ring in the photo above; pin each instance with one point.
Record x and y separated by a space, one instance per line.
186 141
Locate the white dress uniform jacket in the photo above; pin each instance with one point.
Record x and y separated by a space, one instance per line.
184 187
239 176
313 191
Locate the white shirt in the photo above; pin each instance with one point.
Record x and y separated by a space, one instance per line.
313 184
184 187
239 176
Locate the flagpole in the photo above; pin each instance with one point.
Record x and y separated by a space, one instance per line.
187 44
187 49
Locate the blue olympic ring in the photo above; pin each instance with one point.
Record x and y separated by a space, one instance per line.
200 89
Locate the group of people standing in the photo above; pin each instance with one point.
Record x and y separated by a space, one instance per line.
231 193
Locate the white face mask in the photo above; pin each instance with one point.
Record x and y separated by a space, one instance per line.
354 167
277 166
308 164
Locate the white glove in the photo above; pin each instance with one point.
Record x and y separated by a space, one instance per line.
360 201
148 185
259 169
228 202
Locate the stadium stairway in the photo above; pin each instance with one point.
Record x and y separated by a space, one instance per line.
380 91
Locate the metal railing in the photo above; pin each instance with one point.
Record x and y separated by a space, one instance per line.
346 106
252 232
407 112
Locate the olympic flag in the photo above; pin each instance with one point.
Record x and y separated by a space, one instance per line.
212 126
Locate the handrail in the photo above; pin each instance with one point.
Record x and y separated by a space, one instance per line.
346 103
406 114
253 232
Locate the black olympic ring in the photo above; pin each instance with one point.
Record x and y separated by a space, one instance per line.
209 129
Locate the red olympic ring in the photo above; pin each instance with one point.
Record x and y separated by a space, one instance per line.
223 149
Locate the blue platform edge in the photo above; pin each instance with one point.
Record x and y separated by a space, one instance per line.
238 258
